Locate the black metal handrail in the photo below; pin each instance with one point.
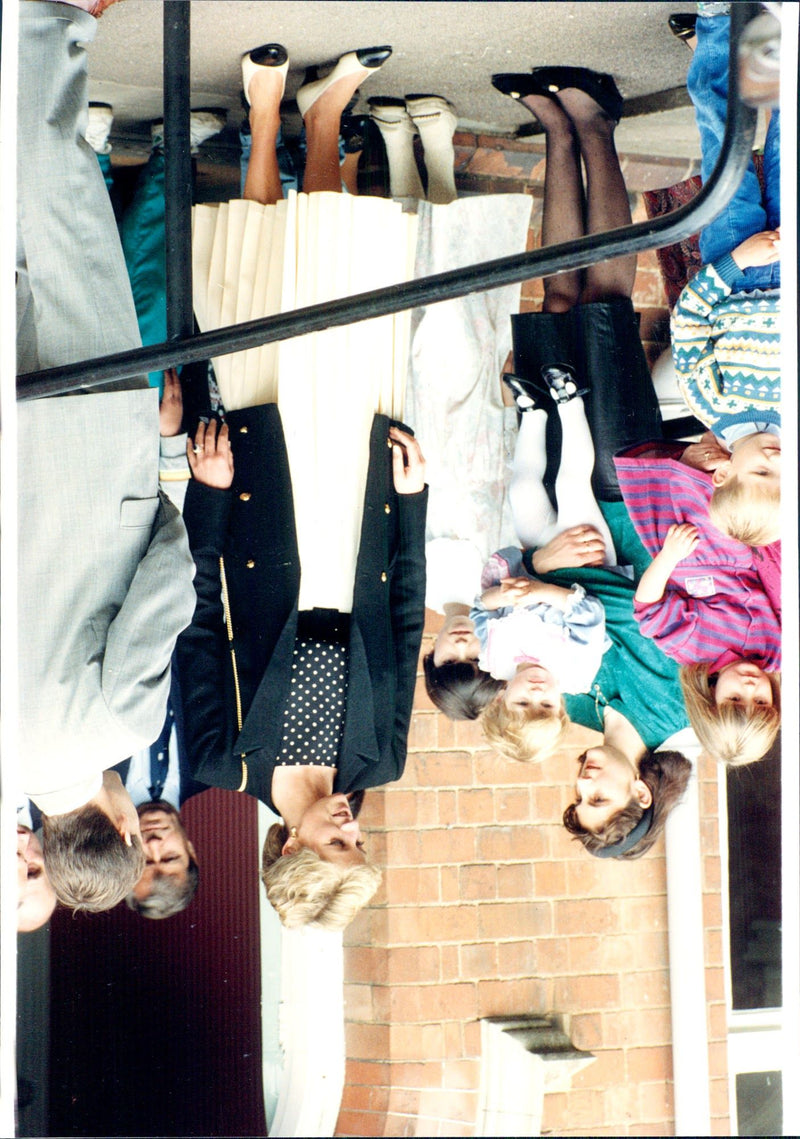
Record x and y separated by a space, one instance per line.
570 255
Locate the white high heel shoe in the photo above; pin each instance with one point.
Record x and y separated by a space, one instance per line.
365 59
274 56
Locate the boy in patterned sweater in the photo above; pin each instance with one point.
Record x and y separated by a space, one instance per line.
726 324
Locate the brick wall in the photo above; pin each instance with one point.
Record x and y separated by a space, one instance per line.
488 907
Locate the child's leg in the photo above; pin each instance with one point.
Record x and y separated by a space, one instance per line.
531 508
707 83
576 502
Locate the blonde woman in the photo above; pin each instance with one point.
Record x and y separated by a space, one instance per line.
307 530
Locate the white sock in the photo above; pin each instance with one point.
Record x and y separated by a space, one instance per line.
404 179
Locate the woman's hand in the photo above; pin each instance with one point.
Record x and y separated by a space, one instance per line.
759 249
170 411
210 456
408 464
705 455
577 546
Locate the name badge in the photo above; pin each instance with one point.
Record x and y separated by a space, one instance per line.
700 586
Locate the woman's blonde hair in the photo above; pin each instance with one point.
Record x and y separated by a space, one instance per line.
750 514
728 732
306 890
523 736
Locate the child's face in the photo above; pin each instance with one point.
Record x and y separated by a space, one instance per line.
534 687
756 459
744 684
456 642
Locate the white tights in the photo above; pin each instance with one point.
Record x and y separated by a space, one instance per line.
534 518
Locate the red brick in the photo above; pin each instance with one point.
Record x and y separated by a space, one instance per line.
718 1093
549 880
717 1021
545 804
478 882
416 965
408 1043
585 916
359 1123
586 1031
626 951
712 873
471 1034
449 965
515 880
449 883
404 1101
367 1041
423 734
422 1075
516 959
444 769
399 1004
364 1072
583 953
433 924
712 911
512 844
514 919
426 811
501 998
446 804
409 885
476 806
640 915
718 1059
400 809
358 1002
649 988
648 1064
365 963
512 805
715 984
584 1110
479 960
656 1101
403 848
552 955
451 844
713 946
586 994
450 1002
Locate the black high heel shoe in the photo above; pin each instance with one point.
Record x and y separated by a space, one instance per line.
597 84
519 84
561 383
528 394
683 25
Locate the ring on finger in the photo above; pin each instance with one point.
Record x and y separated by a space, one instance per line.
198 450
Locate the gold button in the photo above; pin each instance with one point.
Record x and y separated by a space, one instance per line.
250 563
387 509
243 430
245 496
383 577
389 444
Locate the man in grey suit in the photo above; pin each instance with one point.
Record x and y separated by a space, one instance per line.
104 566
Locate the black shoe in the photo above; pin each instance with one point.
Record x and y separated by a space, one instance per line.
683 24
597 84
561 382
527 395
519 84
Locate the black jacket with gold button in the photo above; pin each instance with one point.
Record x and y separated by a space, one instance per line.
235 666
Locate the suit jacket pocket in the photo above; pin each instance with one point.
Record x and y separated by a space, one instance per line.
137 513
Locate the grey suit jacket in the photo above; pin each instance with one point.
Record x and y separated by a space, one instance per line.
105 586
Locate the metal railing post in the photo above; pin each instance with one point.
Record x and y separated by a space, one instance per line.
177 169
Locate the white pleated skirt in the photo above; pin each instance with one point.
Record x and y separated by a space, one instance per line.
250 261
